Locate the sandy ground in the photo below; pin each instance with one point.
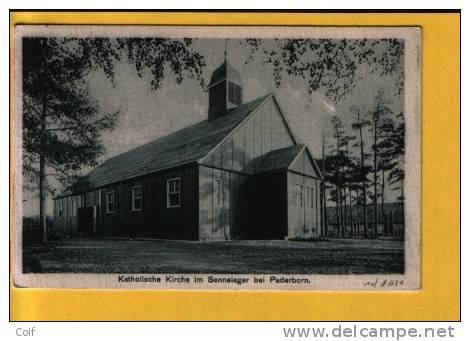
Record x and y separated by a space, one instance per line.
335 256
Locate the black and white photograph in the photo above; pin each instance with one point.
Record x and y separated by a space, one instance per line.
273 158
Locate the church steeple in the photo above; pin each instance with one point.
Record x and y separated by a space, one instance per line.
225 51
225 89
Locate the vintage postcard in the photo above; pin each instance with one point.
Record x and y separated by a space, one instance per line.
206 157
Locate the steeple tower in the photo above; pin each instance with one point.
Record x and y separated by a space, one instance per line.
225 89
225 51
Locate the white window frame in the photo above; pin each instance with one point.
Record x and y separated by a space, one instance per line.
168 192
134 198
109 202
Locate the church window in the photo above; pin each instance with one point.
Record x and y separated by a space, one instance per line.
110 202
136 198
173 193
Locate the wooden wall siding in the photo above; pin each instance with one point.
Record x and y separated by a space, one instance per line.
249 146
57 220
257 137
318 208
303 165
238 150
205 203
226 209
260 134
227 150
220 222
280 136
89 199
72 216
154 220
68 223
236 204
303 222
266 129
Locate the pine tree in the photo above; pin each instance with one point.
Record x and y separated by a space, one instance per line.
384 146
379 112
323 191
359 125
347 167
338 180
396 153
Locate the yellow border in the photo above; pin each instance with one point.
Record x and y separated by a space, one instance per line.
439 298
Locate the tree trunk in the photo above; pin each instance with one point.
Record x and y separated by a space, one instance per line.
340 199
350 211
42 198
357 212
382 204
345 197
364 189
42 175
345 212
341 211
376 206
348 208
322 226
325 215
386 225
337 211
364 208
403 204
323 198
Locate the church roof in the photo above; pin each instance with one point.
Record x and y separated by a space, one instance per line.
279 159
225 70
182 147
284 159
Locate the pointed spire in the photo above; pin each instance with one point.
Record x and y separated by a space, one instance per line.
225 88
225 70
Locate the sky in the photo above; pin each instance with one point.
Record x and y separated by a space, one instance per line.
147 114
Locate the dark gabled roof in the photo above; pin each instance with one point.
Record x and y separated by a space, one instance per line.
279 159
224 71
182 147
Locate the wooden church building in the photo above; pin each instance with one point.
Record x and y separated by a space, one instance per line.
240 174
